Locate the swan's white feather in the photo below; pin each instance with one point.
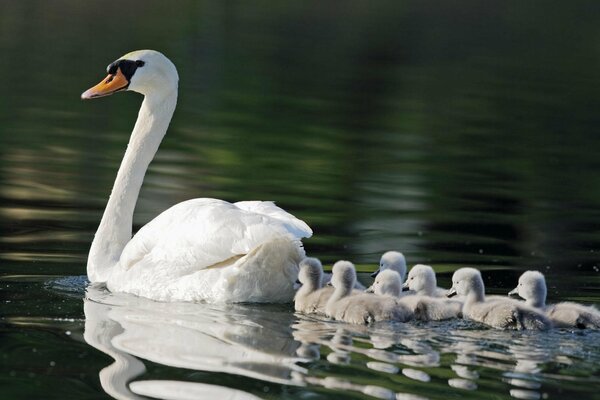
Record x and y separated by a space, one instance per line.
198 250
201 249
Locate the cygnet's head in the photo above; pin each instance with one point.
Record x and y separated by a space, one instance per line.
421 278
144 71
465 281
393 260
311 272
388 283
343 275
532 286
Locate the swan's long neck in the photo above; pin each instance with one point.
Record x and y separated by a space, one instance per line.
115 228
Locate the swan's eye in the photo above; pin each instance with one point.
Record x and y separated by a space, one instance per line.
140 63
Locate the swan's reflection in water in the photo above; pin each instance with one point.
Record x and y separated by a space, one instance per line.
272 344
230 339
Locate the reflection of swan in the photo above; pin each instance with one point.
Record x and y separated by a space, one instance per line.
234 340
498 313
201 249
176 390
532 288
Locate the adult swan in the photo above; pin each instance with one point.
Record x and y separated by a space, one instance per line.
198 250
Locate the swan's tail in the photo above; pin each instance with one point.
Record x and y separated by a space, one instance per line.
266 274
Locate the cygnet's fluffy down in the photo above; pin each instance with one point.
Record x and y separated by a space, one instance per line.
393 260
421 280
425 308
360 308
499 313
532 288
327 278
311 297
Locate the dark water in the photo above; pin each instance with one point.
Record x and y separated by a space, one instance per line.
463 134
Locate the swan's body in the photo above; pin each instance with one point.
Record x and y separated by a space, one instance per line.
360 308
532 288
425 308
201 249
498 313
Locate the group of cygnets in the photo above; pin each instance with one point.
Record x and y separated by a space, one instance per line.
345 300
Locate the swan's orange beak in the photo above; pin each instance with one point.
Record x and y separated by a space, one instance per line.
109 85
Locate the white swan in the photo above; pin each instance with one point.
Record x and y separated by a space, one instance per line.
393 260
198 250
421 280
311 297
532 288
498 313
361 308
425 308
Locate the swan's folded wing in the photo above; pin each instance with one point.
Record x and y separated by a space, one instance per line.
295 226
200 233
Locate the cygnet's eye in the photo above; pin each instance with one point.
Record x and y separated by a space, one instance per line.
412 277
140 63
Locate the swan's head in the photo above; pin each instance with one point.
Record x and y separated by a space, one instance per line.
392 260
465 281
388 282
421 278
144 71
311 272
343 275
532 285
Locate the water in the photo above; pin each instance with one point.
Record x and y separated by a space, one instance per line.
463 135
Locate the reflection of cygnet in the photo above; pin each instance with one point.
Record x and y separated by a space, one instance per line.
388 283
532 288
499 313
360 308
311 297
393 260
421 280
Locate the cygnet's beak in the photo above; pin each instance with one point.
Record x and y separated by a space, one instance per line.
514 292
109 85
370 290
405 286
374 274
451 292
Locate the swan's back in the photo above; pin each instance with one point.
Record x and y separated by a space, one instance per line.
365 309
436 309
573 315
315 302
507 314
